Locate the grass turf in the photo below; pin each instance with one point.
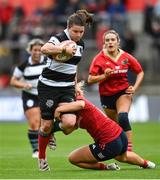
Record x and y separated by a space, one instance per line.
16 161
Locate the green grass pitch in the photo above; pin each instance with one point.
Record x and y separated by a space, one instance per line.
16 161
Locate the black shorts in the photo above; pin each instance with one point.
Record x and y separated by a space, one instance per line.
50 97
111 149
110 101
29 100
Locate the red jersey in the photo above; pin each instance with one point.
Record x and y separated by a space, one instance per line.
118 80
98 125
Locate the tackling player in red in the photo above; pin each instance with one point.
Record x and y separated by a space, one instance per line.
110 139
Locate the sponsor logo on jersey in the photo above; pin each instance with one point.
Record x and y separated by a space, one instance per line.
117 67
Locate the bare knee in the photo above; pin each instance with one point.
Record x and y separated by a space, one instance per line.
68 121
34 124
121 158
46 126
72 159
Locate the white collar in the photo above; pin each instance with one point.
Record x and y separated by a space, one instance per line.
31 62
67 33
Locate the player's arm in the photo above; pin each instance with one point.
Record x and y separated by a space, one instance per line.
17 83
50 49
69 107
98 78
139 78
16 79
137 69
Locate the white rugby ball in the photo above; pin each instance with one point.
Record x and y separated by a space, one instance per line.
64 56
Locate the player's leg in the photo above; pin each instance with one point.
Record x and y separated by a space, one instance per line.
123 106
131 157
108 104
135 159
83 158
43 139
32 113
66 125
68 120
48 101
33 116
111 113
91 156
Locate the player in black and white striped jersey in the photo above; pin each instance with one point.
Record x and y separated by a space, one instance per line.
25 77
58 79
59 74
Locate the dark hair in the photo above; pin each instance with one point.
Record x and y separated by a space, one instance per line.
80 18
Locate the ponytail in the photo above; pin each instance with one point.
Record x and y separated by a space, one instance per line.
80 18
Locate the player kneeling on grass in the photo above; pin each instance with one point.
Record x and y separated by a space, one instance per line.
110 139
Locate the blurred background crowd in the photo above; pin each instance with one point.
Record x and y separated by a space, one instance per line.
137 22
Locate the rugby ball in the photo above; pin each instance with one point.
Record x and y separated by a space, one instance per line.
62 57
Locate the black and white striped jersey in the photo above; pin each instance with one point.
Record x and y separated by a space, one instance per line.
58 74
30 72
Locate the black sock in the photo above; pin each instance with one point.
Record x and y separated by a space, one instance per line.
33 139
56 127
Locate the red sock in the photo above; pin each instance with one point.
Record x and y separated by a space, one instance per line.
42 143
130 146
102 166
145 164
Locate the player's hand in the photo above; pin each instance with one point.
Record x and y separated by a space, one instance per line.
70 50
130 90
108 71
57 114
28 86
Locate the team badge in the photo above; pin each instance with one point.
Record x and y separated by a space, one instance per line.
124 61
49 103
30 103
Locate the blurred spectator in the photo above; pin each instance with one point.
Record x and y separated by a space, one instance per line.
129 43
72 6
101 29
156 35
90 5
19 13
117 12
102 5
156 24
4 79
6 14
148 16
